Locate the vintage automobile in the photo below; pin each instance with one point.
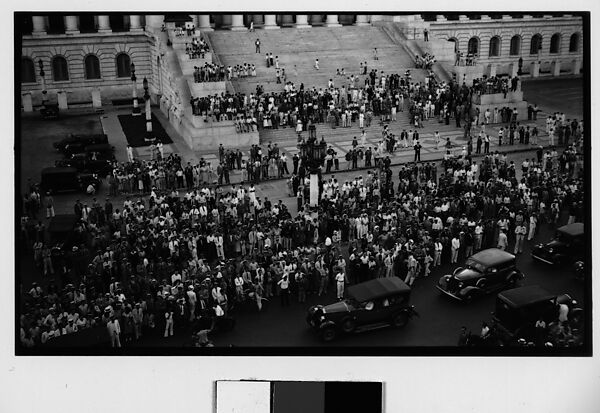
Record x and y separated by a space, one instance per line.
485 272
83 163
58 179
567 246
518 309
76 143
97 151
370 305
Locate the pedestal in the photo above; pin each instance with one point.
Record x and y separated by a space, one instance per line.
96 98
26 102
314 190
535 69
576 66
513 69
556 68
62 100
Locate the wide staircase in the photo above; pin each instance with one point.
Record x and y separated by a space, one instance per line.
336 48
198 133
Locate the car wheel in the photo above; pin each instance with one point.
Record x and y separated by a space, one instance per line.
400 320
328 334
348 325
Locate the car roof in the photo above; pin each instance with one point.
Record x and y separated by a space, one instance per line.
99 146
377 288
522 296
492 256
58 170
574 229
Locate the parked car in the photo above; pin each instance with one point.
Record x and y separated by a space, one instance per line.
373 304
487 271
568 245
59 179
518 309
76 143
83 163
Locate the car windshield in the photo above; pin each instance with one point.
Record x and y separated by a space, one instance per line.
562 237
475 265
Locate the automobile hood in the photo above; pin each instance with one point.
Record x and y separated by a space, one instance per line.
340 307
467 274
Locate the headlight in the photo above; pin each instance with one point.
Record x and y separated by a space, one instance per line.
322 318
550 250
447 277
460 285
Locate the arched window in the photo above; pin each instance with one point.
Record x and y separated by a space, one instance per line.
473 46
27 70
574 43
536 44
515 45
494 46
60 70
92 67
453 40
555 43
123 65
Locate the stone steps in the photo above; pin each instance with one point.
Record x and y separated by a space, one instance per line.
297 49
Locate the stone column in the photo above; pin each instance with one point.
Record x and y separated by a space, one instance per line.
535 69
556 68
26 102
237 22
104 24
39 25
135 23
332 21
204 23
270 22
71 25
576 66
362 20
153 21
302 21
62 99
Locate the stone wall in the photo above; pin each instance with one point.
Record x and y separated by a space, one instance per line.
106 46
507 27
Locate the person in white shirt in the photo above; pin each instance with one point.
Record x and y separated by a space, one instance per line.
340 279
437 253
455 248
114 332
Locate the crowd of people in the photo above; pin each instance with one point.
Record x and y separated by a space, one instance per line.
425 61
186 245
183 250
197 49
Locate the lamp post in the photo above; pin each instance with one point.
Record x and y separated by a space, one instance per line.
43 79
136 110
312 154
148 112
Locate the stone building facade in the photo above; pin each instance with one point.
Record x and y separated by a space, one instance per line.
83 53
